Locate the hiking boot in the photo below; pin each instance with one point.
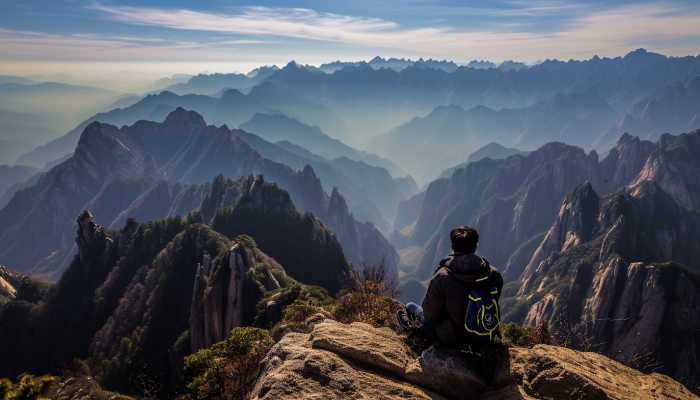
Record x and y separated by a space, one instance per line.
404 322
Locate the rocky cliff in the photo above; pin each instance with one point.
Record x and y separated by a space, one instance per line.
310 252
612 265
9 283
339 361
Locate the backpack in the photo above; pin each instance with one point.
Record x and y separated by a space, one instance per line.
483 316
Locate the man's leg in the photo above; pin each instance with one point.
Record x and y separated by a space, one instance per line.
415 313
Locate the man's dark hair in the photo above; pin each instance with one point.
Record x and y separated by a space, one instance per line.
464 239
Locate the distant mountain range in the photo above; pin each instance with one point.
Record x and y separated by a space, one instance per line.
233 108
367 202
444 137
132 162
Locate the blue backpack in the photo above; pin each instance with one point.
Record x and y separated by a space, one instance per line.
483 316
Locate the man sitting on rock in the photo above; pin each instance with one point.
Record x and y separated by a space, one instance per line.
465 288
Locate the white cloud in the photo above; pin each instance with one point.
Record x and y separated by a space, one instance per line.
276 35
608 32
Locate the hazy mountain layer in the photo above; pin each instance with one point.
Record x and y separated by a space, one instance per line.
232 108
10 175
511 201
492 150
74 103
275 128
210 84
426 146
183 149
671 109
374 101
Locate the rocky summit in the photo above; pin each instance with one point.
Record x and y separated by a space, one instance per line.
357 361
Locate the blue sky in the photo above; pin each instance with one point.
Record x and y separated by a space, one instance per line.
221 35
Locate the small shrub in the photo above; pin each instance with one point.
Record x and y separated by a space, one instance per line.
5 386
300 310
541 336
371 309
515 335
370 297
228 370
73 368
373 279
29 388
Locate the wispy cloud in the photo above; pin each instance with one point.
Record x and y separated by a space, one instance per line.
262 34
605 32
289 22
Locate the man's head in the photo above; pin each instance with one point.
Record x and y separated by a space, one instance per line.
464 239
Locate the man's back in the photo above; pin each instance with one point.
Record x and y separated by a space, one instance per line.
447 297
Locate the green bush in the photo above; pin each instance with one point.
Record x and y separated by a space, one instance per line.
300 310
29 388
229 369
515 335
5 386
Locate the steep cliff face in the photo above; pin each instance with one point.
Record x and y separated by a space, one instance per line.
310 252
610 264
9 283
361 240
507 201
218 306
573 226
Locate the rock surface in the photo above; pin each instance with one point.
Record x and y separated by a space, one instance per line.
9 282
357 361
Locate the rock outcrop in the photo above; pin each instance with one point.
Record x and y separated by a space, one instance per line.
9 283
218 302
602 265
357 361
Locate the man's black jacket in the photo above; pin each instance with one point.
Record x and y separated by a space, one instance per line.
446 300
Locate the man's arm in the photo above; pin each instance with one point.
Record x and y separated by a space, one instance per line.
434 302
497 281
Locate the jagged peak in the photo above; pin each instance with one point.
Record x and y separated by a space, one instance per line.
309 172
257 193
88 231
183 117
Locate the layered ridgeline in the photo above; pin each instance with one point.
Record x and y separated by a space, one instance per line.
373 101
425 146
358 102
513 202
232 108
302 144
155 292
152 170
672 108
